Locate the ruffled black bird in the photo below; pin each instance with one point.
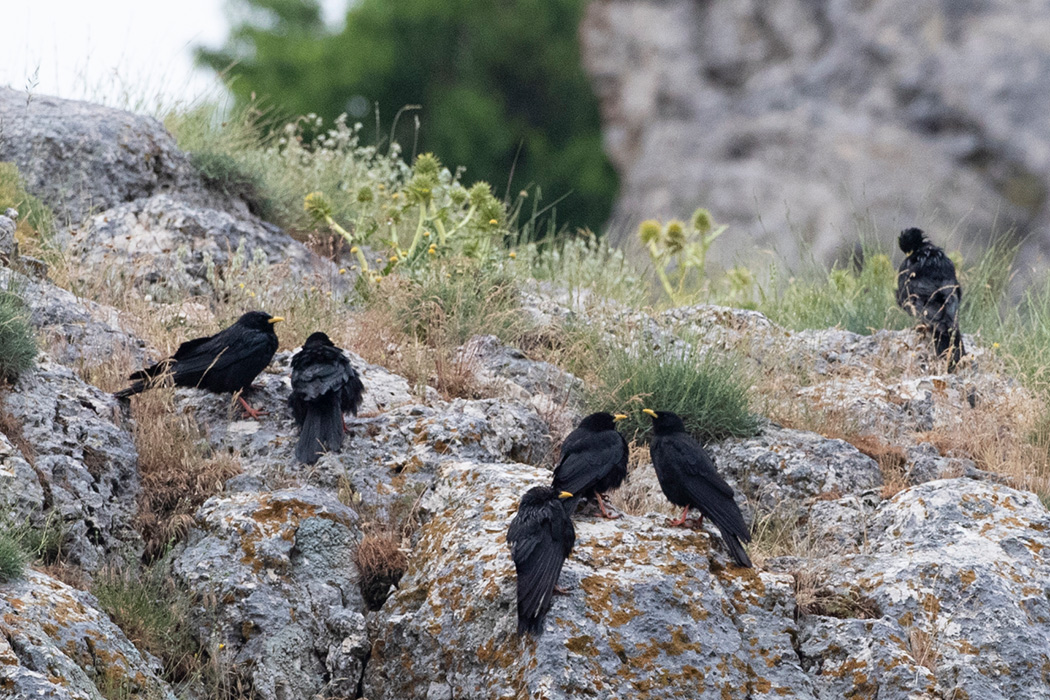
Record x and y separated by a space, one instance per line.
541 537
928 289
228 361
688 478
593 460
324 386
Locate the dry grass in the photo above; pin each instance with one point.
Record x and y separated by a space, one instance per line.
640 492
177 469
923 648
814 597
380 565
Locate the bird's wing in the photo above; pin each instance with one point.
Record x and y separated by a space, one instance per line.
538 547
321 377
584 462
694 463
219 352
353 390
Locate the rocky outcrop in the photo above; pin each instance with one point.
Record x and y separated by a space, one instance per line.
54 643
280 602
787 118
83 479
80 157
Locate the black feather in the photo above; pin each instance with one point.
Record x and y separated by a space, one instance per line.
324 386
228 361
541 537
928 289
688 477
593 459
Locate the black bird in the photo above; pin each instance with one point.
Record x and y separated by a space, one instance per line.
225 362
324 386
541 537
593 460
928 289
688 478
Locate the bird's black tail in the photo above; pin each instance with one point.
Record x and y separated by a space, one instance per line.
530 625
136 388
948 340
322 430
735 548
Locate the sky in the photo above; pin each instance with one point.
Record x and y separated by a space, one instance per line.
136 54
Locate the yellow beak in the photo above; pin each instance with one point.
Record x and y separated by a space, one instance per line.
276 319
619 416
649 412
564 494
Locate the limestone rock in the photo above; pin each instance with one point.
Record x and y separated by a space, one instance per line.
290 620
84 461
55 643
80 157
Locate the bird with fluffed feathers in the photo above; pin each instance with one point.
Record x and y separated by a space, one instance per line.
226 362
688 478
324 387
928 289
593 460
541 537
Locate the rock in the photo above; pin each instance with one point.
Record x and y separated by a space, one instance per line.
170 248
76 332
21 495
811 112
8 244
958 571
291 619
83 460
651 610
80 157
55 643
791 467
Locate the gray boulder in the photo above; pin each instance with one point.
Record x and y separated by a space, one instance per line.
291 622
83 461
170 247
80 157
56 644
8 244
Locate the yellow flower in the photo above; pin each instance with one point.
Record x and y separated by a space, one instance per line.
342 271
241 285
251 294
432 251
426 234
493 222
512 254
995 345
354 249
393 258
378 278
395 195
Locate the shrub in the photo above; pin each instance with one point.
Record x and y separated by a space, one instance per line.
12 558
708 390
17 345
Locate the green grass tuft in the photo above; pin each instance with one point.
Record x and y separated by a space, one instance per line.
12 558
17 344
709 391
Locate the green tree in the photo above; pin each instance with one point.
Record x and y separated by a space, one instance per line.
499 84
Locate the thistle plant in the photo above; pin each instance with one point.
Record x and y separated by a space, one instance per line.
681 247
320 210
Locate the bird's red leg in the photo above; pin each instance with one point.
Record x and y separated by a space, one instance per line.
252 412
681 520
601 506
343 418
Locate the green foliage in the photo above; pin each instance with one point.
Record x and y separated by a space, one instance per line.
499 86
44 544
858 299
34 219
17 345
12 558
225 174
683 249
708 390
154 613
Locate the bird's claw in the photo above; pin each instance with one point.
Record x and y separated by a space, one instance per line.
558 590
251 412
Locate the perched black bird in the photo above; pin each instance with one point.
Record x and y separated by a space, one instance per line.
688 478
593 460
541 537
324 386
928 289
225 362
